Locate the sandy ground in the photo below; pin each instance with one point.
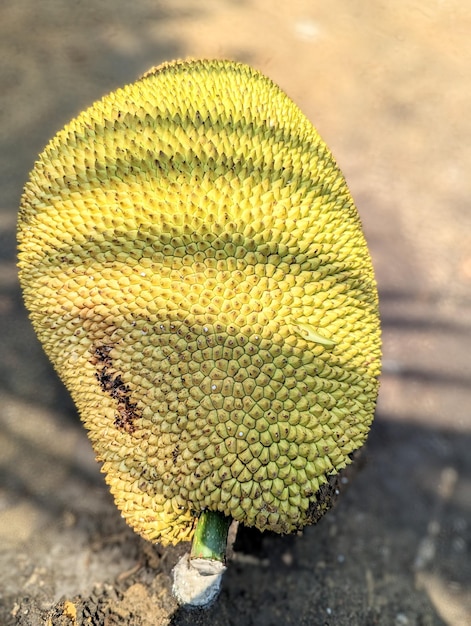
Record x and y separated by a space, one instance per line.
388 86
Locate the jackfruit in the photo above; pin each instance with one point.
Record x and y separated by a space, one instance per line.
195 268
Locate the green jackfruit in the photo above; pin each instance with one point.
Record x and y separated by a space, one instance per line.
195 269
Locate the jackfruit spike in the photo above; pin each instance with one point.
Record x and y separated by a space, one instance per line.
308 333
210 538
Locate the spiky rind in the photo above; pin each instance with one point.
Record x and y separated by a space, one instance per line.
195 268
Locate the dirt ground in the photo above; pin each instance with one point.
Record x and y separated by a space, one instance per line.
388 85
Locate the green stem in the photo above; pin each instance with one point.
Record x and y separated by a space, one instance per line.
210 538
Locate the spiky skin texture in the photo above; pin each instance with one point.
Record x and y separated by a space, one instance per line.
195 269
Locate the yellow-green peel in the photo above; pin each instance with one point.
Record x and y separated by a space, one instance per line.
195 268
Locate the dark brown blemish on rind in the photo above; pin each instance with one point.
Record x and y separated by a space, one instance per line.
175 453
112 383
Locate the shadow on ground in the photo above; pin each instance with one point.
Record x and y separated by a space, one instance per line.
397 534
